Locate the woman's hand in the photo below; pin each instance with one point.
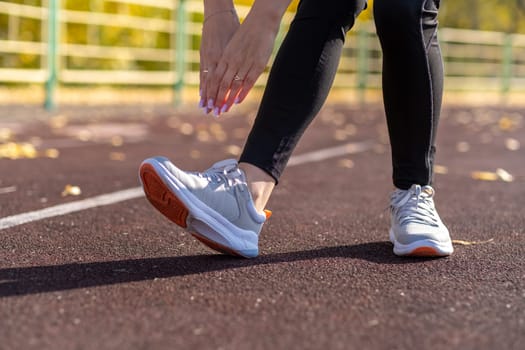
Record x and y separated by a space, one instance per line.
244 58
217 30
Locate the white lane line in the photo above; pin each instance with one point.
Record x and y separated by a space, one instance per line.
61 209
332 152
136 192
9 189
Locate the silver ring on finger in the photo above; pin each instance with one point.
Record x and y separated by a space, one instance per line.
237 78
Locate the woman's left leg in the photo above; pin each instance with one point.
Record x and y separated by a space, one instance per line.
412 85
412 89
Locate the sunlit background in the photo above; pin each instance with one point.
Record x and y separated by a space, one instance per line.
49 48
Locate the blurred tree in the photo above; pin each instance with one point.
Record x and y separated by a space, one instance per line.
494 15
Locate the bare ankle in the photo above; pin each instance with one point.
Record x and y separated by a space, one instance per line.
260 184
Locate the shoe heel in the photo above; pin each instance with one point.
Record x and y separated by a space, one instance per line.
161 197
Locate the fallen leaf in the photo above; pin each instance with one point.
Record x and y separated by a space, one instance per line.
12 150
484 176
52 153
5 134
203 136
462 147
504 175
340 135
233 150
84 135
186 129
117 156
216 128
346 163
71 190
195 154
58 121
218 132
440 169
512 144
460 242
506 123
117 141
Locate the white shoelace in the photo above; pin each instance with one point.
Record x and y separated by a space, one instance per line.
414 205
226 172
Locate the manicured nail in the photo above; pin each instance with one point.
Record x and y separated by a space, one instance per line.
224 108
236 101
201 103
216 111
210 103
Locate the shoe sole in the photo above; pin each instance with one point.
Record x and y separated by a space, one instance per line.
423 248
168 204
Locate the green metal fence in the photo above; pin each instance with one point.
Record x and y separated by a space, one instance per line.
68 48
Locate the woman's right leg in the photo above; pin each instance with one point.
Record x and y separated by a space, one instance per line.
299 82
215 205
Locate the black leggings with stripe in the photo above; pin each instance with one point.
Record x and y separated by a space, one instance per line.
305 67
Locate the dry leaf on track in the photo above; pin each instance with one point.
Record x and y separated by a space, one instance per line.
346 163
504 175
463 147
461 242
440 169
5 134
512 144
233 150
484 176
52 153
12 150
117 156
71 190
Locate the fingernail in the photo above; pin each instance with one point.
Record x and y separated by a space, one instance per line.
236 101
216 111
224 108
210 103
201 103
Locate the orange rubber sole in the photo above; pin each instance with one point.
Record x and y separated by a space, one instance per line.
171 207
425 252
161 198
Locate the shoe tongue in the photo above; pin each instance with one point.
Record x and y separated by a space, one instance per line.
225 163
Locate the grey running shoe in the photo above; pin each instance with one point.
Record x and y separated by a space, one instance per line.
215 206
416 229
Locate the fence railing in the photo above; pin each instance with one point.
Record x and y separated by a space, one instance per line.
157 44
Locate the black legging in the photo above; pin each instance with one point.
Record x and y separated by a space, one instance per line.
305 67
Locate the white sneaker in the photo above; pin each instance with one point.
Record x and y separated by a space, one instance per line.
215 206
416 228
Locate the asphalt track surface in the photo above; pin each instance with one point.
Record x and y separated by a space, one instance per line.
121 276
